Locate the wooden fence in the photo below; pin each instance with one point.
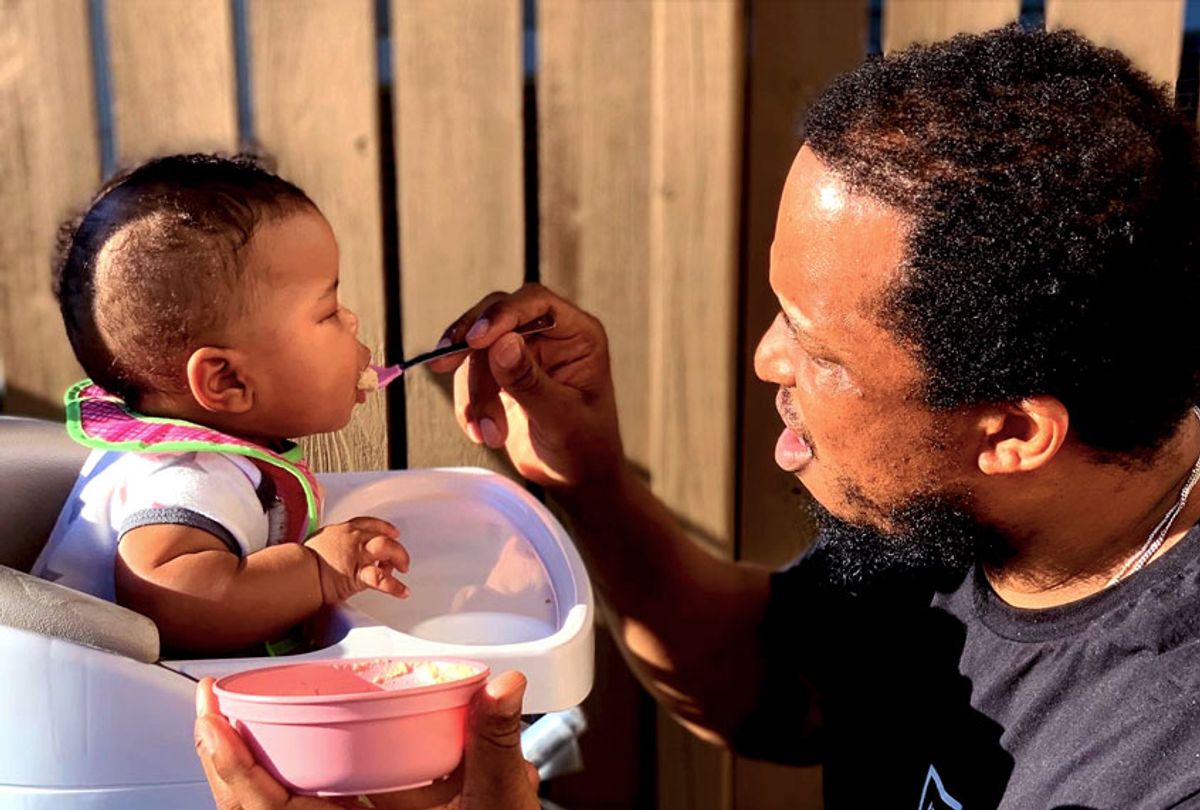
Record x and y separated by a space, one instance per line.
663 130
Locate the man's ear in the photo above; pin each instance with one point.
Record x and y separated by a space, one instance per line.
218 382
1022 436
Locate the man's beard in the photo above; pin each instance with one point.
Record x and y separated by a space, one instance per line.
934 537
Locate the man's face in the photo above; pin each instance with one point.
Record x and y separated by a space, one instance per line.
857 434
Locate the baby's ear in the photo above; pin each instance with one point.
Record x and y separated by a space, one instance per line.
217 381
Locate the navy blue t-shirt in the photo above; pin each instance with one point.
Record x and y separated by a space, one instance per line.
936 694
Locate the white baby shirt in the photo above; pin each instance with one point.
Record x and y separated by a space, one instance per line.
223 494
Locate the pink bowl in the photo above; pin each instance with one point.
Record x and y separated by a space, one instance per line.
356 725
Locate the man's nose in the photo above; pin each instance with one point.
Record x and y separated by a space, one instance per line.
771 361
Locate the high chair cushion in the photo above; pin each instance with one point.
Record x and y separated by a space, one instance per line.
29 603
38 466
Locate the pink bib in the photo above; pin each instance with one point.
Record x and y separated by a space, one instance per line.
101 420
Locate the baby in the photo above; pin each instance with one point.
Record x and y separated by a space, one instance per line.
200 294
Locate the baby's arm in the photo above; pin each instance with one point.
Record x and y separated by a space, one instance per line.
205 599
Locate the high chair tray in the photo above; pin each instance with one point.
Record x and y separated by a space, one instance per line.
494 577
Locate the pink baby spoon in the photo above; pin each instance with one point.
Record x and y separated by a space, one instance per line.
379 376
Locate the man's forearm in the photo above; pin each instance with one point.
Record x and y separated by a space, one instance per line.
686 621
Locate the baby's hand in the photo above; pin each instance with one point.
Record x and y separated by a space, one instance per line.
356 555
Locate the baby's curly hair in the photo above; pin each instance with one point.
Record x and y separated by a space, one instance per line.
1054 201
153 269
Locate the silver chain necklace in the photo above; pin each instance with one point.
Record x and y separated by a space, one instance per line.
1158 534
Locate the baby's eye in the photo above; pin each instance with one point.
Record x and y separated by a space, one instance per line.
332 315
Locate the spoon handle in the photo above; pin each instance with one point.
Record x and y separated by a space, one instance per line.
389 373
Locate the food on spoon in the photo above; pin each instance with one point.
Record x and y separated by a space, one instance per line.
368 380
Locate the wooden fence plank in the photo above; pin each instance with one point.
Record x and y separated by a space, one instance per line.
908 21
639 128
459 158
315 112
1149 32
696 130
767 786
173 77
49 165
695 181
798 48
594 101
594 98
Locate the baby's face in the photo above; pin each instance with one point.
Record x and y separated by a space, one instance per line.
304 357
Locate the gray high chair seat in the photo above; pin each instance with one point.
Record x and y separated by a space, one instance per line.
38 467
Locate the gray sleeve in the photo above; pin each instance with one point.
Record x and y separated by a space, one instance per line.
178 516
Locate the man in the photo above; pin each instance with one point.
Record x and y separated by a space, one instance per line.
986 263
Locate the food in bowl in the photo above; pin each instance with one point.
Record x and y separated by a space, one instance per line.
354 726
391 674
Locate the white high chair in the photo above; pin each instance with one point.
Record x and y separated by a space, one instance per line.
90 717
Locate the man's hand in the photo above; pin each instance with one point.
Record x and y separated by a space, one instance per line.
236 780
493 774
358 554
548 401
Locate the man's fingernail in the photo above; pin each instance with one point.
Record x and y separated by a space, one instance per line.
508 351
508 703
206 701
443 343
479 329
473 432
491 433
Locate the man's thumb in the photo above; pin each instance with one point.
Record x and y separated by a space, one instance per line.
496 713
495 770
514 369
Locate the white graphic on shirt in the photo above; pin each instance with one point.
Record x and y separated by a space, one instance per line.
941 800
